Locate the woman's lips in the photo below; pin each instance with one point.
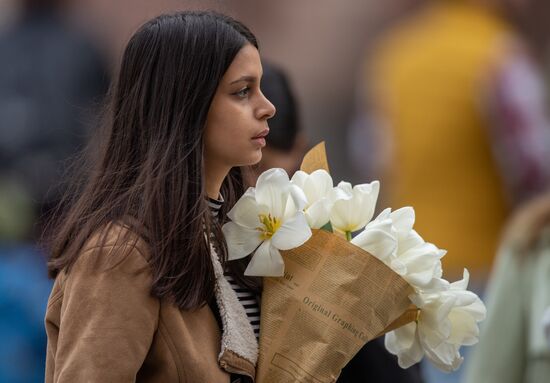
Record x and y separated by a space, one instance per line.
260 138
263 133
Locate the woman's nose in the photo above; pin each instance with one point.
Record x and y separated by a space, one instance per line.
266 110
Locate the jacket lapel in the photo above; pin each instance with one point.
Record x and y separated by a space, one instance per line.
239 347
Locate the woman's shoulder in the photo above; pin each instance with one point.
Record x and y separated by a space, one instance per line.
114 260
118 234
116 244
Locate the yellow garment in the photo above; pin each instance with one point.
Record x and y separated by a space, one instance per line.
427 77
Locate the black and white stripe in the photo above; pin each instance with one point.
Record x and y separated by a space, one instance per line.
248 299
250 303
215 206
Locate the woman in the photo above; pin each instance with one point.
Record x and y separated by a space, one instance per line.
139 258
512 346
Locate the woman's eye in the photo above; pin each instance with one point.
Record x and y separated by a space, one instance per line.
243 93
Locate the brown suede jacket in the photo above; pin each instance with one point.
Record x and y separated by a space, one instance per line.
103 324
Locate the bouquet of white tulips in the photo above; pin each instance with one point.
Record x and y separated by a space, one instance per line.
277 223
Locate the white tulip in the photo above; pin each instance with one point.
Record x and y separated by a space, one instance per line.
317 187
467 312
421 266
267 219
353 207
403 221
448 320
417 261
390 237
379 238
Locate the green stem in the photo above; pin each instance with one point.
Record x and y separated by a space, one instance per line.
348 236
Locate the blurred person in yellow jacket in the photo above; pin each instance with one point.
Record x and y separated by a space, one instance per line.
456 123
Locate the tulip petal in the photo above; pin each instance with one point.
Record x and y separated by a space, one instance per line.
337 194
318 214
403 219
292 233
446 357
299 178
241 241
346 187
266 261
246 211
378 242
318 185
297 200
464 329
371 189
477 310
403 342
463 283
401 338
409 241
272 191
352 214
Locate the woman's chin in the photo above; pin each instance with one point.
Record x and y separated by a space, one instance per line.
251 158
254 158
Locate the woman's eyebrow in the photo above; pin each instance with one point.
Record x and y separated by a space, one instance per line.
246 79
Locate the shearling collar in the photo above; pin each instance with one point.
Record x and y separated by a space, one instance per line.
239 347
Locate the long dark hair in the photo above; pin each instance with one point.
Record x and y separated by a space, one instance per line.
149 165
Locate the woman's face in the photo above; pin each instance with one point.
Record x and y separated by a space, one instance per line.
236 125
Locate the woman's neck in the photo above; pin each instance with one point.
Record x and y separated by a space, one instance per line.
214 177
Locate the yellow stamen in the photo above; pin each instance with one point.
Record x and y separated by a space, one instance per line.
418 312
270 226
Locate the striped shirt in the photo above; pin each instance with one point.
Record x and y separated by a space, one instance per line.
248 299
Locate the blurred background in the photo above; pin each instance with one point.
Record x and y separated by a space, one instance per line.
444 101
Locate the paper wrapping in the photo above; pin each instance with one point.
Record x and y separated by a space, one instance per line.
333 298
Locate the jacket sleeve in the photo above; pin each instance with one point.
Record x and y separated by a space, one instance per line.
499 357
108 317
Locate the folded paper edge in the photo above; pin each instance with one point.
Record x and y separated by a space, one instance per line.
410 315
315 159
